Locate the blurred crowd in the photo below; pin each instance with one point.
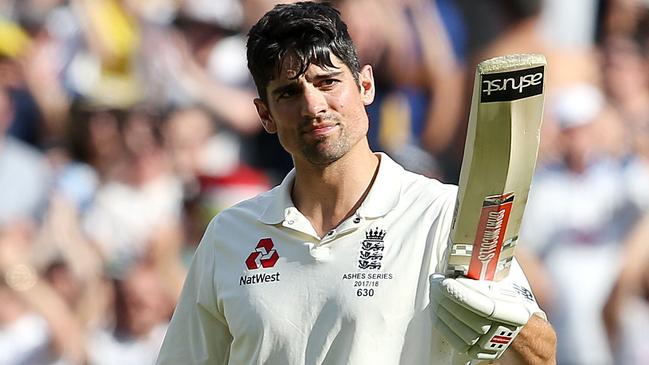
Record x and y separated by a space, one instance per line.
125 125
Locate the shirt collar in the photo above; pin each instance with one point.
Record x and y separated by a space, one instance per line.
386 190
281 203
382 197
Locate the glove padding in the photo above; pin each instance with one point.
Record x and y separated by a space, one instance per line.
479 317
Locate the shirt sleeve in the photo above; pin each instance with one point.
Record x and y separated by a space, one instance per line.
519 282
440 231
198 333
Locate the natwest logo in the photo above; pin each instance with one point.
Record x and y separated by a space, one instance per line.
265 255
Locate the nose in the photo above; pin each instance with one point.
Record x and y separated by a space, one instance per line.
314 102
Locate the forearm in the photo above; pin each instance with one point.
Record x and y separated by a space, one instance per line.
443 76
37 295
534 345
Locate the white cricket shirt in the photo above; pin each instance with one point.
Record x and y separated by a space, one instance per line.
265 289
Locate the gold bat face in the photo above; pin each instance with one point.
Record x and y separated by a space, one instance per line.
499 159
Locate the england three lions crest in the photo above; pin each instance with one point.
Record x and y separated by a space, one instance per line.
371 250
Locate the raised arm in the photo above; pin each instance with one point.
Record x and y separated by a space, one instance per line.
493 320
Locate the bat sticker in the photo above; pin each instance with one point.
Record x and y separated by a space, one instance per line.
490 236
513 85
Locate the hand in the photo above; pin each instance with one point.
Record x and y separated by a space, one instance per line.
481 318
16 243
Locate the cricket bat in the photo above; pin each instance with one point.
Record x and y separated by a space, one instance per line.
499 158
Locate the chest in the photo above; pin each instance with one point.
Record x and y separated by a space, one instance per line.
281 283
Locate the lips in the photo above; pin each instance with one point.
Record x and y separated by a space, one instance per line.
321 129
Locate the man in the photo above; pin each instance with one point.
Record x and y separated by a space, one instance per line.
336 264
583 208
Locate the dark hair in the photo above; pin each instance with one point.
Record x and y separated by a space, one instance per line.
308 31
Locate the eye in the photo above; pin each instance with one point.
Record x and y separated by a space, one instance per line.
288 93
328 83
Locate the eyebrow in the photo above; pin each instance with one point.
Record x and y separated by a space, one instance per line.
292 85
327 75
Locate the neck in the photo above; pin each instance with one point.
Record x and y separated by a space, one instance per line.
327 195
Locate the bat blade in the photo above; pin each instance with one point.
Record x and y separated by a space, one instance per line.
499 159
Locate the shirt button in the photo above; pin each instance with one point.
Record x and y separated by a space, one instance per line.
320 252
330 233
290 221
357 220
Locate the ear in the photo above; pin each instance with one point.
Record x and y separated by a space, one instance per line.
366 79
265 117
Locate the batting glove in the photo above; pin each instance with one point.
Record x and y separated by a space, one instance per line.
480 318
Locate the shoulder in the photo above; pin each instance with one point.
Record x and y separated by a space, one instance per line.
411 186
415 186
245 212
426 199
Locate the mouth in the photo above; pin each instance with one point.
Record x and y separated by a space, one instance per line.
321 130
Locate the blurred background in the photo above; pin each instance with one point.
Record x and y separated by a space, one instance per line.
125 125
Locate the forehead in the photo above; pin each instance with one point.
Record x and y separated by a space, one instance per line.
290 68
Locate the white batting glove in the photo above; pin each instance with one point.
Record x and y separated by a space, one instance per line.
480 318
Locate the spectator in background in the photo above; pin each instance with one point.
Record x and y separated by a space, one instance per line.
36 324
94 137
24 174
102 68
208 162
140 312
579 212
415 110
442 61
50 25
193 142
623 17
69 263
187 133
199 59
626 313
569 24
626 83
193 64
141 195
625 65
75 180
15 43
515 26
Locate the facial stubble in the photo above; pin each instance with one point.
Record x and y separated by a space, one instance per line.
324 150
